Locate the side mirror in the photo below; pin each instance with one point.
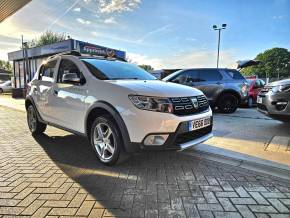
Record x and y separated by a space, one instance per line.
70 78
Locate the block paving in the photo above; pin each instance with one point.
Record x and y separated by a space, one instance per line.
57 175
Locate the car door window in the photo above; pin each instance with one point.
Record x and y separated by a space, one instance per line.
209 75
257 84
234 74
262 83
67 66
186 77
47 71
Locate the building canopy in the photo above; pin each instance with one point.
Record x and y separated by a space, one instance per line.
9 7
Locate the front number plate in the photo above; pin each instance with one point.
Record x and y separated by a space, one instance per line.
199 123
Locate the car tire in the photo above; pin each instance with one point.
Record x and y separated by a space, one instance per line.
35 126
228 103
1 91
250 102
106 140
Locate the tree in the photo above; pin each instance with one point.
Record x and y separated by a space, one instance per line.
46 38
5 65
275 64
146 67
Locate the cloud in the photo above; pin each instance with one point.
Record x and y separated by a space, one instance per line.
111 6
83 21
110 20
144 59
153 32
12 29
279 17
77 9
63 14
95 34
191 39
201 58
11 44
189 59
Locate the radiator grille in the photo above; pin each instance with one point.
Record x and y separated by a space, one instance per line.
185 105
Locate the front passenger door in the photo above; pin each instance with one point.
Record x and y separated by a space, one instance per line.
43 90
188 78
69 97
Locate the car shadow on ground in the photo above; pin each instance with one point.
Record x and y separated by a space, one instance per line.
127 187
149 181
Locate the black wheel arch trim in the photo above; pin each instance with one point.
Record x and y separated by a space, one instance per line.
28 100
128 145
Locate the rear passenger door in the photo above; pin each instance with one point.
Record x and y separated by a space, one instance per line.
209 82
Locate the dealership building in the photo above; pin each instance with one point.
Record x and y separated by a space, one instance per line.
26 61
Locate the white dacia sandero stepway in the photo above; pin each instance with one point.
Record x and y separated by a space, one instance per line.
117 105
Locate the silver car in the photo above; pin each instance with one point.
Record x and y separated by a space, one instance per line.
274 100
5 87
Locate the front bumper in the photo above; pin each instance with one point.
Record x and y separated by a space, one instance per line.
270 106
181 139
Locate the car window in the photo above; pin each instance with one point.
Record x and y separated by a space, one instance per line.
67 66
209 75
257 84
234 74
186 77
47 71
262 83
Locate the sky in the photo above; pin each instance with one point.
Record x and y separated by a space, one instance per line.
162 33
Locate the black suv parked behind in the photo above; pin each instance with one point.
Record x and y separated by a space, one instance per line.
224 88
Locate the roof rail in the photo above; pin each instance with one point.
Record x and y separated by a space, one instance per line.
77 53
103 57
73 52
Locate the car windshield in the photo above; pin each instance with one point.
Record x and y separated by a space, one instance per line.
116 70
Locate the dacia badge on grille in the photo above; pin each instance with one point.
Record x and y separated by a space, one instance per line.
194 102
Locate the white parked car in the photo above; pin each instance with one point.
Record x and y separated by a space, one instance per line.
5 87
117 105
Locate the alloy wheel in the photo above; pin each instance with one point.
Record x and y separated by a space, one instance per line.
104 141
31 118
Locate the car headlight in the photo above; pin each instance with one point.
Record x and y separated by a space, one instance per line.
158 104
281 88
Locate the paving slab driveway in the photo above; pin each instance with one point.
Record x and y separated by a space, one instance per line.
57 174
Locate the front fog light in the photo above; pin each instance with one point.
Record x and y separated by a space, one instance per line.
155 140
281 105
